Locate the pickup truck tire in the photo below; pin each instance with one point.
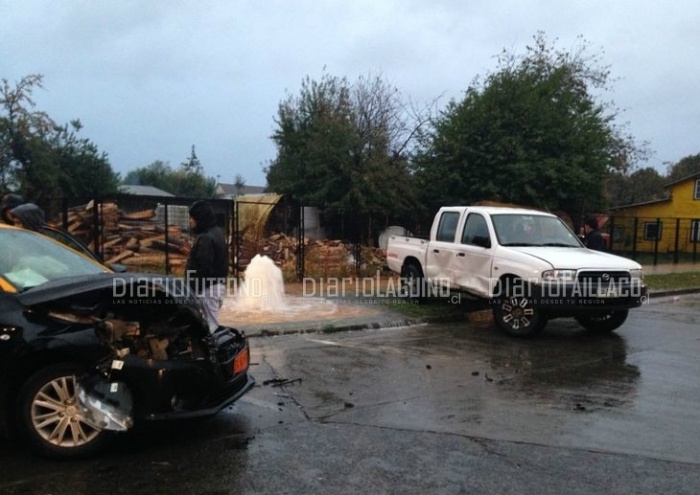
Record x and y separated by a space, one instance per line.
602 321
412 280
515 315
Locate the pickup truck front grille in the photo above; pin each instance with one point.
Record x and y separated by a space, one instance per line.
602 276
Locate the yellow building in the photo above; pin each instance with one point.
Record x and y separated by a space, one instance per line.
669 225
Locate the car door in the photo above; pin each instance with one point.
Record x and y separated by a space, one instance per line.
473 256
440 249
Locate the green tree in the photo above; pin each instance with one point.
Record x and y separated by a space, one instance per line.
239 184
157 174
343 148
188 180
645 184
532 133
685 167
42 159
191 181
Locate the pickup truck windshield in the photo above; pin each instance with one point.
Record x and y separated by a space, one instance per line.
517 229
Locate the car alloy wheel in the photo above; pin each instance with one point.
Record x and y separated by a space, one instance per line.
51 418
57 417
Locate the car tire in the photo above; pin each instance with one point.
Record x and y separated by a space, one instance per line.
514 314
602 321
49 419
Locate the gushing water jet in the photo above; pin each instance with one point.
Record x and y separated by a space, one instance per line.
262 288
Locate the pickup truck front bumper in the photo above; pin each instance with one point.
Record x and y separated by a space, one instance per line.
595 296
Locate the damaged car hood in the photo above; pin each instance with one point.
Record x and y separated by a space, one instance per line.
122 285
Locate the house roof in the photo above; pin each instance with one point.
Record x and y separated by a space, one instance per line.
643 203
232 189
143 190
692 176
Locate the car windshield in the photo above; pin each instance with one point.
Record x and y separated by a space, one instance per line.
520 229
29 259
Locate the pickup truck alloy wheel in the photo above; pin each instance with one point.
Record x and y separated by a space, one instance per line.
50 417
602 321
518 318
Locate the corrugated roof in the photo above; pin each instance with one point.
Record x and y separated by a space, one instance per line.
233 190
143 190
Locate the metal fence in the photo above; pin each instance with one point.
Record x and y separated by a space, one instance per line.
655 239
151 233
145 233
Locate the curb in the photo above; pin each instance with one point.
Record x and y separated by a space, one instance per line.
314 328
673 292
332 328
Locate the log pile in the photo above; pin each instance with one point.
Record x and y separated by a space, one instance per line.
322 258
138 241
133 239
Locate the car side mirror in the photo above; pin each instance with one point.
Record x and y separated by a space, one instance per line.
117 268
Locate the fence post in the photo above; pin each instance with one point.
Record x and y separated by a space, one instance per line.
611 234
167 238
300 243
696 236
634 238
96 226
675 250
236 239
64 213
230 235
656 241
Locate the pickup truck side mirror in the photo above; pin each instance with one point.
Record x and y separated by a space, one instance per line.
482 241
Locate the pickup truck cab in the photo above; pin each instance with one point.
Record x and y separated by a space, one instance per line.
528 264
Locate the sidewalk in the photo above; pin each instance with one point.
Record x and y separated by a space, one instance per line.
671 268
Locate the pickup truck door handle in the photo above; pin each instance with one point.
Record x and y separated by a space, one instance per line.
436 250
461 254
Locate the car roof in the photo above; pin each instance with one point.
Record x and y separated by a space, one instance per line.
507 210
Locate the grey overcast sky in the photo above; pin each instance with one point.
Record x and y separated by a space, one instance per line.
150 78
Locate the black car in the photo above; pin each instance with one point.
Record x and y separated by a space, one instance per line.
86 352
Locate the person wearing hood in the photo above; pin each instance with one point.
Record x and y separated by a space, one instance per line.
594 237
207 263
28 216
9 201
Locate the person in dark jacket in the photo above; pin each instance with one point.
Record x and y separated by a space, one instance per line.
28 216
207 263
9 201
593 237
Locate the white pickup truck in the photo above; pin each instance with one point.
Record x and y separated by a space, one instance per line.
527 264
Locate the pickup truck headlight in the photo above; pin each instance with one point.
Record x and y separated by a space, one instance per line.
636 275
559 275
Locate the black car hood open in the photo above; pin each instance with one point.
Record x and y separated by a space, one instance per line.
119 282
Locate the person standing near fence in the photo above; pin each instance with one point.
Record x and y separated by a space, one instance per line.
593 237
207 263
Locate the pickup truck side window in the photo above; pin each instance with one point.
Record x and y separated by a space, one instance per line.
476 232
447 228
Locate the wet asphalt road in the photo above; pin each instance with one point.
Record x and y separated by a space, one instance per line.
434 409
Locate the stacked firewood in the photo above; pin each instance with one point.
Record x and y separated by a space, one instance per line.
132 239
322 258
278 247
140 242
